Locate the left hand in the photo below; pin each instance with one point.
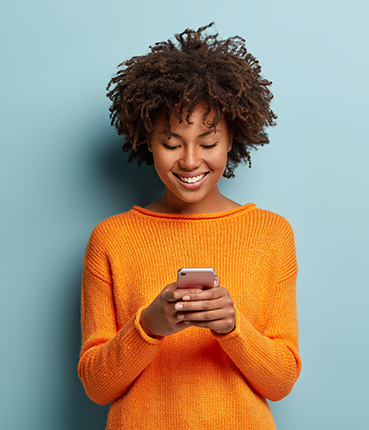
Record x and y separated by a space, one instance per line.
211 308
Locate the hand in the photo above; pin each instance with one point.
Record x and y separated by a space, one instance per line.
211 308
160 317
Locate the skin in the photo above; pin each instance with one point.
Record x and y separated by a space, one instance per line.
174 310
194 150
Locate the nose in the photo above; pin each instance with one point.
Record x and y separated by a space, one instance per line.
190 159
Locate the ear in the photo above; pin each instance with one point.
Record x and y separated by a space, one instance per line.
149 145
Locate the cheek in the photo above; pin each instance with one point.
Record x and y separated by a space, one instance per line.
162 162
219 159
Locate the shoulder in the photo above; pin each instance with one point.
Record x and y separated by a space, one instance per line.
271 217
107 241
269 220
111 230
276 234
112 224
270 229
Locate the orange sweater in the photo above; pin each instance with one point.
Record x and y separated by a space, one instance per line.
194 379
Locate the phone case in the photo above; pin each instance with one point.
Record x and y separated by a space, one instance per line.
195 278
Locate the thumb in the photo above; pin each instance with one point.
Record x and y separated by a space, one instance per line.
216 281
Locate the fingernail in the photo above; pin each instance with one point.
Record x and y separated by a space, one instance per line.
186 298
187 322
180 316
178 306
198 291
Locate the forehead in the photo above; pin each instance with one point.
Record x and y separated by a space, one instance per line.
200 118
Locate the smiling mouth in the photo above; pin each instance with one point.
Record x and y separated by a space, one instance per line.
191 180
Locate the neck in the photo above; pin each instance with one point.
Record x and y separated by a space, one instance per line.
170 204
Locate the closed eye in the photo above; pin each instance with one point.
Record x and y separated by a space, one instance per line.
169 146
210 146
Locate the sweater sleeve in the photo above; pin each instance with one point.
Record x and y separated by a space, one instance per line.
110 359
268 357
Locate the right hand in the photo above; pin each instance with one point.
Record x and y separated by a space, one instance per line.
160 317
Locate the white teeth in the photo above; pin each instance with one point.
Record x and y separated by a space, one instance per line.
192 180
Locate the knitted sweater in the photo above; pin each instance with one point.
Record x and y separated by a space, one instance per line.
194 379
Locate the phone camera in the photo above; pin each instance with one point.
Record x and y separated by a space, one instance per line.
183 273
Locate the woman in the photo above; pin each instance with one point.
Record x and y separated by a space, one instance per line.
200 358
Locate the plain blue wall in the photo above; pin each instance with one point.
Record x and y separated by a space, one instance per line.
62 172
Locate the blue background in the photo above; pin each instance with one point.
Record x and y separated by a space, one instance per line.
62 172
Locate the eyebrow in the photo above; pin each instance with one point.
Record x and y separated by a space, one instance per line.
200 135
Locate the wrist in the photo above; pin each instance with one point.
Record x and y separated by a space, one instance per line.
225 332
144 325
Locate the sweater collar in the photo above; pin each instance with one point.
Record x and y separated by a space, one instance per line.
207 216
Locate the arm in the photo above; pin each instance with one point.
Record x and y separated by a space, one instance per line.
269 360
265 353
110 360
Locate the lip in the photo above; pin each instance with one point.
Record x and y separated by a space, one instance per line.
195 185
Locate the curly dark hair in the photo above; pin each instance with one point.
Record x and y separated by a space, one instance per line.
197 67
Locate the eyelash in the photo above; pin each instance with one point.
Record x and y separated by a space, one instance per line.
169 147
203 146
210 146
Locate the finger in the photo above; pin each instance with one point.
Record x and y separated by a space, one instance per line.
203 305
216 281
210 315
208 294
183 294
167 293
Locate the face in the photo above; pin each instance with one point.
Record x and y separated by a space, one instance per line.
191 162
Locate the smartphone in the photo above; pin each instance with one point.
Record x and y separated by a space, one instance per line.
195 278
